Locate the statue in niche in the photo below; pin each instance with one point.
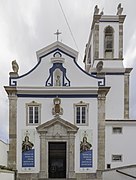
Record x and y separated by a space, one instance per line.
15 66
58 81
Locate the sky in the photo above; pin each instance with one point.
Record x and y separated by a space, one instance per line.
26 26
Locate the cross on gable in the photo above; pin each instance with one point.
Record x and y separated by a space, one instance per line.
57 34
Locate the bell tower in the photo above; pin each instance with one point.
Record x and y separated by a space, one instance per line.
105 41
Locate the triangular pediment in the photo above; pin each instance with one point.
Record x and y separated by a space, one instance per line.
57 123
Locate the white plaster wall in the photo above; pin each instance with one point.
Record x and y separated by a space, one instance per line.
112 174
4 147
39 76
21 125
6 175
115 97
102 26
92 126
123 144
46 114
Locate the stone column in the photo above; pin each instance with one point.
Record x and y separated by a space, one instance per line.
12 126
126 93
101 127
71 156
43 156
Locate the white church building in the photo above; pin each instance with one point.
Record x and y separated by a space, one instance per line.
70 123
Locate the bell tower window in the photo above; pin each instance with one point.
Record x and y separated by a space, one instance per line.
108 42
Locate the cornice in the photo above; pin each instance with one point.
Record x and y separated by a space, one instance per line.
10 89
120 122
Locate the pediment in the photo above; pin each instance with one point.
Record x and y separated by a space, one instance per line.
56 46
57 126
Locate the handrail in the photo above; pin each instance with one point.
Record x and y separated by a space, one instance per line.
129 175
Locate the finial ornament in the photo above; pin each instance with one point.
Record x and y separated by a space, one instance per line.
15 66
96 10
119 9
57 34
99 66
102 13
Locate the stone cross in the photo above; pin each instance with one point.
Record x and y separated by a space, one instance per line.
57 34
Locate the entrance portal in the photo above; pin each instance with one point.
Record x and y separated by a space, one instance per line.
57 159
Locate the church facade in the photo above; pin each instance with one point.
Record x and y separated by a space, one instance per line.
70 123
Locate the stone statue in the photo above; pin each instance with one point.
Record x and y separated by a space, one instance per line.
96 10
102 13
57 110
58 83
15 66
119 9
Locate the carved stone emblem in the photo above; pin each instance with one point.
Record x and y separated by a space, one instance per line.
57 109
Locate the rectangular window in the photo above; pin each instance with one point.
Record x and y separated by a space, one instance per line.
33 113
81 114
117 130
117 158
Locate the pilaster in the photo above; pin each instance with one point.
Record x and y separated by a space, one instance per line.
120 40
43 156
126 92
102 92
96 41
71 156
11 91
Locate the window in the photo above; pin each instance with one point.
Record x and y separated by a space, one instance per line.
117 130
33 113
116 157
108 42
81 113
108 166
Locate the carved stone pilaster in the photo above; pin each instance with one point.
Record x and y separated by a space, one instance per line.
43 156
71 151
102 92
126 93
121 41
11 91
96 42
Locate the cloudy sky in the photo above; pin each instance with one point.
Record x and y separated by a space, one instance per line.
29 25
